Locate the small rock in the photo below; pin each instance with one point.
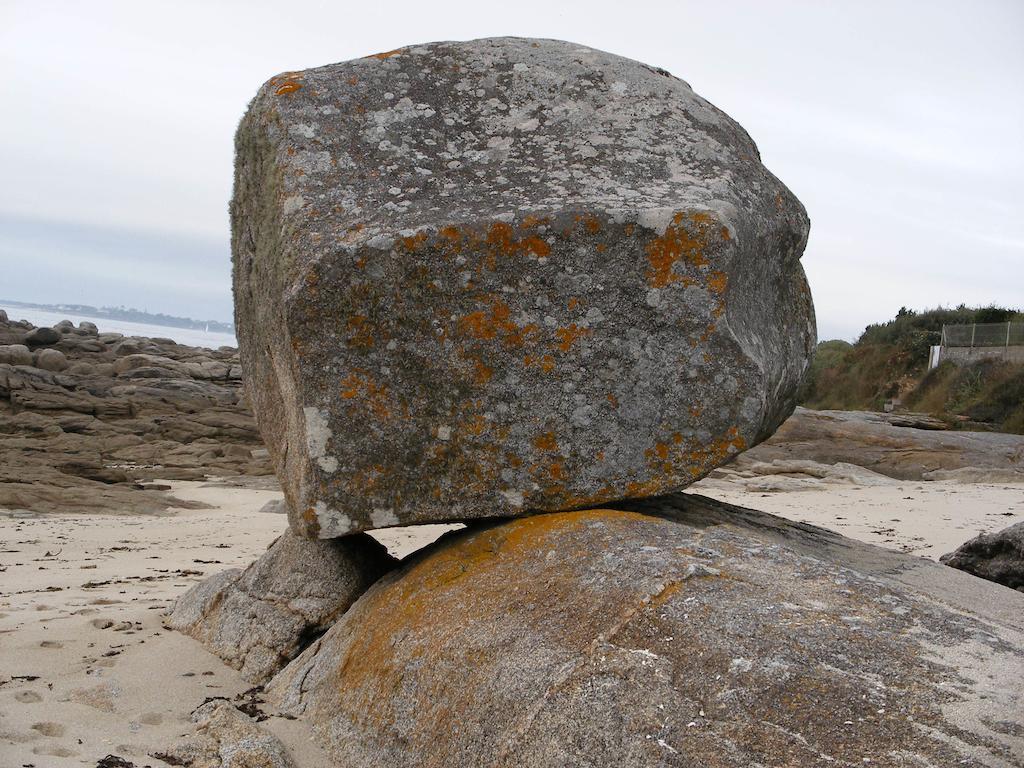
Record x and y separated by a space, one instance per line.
15 354
258 619
275 507
998 556
227 738
41 337
51 360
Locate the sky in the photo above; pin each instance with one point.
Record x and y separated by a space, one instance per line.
899 124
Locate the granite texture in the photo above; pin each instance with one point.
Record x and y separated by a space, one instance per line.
478 278
677 632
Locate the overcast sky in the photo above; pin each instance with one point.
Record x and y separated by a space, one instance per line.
900 125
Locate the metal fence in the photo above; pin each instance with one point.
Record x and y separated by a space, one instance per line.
983 335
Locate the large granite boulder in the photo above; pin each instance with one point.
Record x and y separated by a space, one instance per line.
258 619
477 278
694 634
998 556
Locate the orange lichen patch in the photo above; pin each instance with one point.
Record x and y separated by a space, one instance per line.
591 223
289 86
312 522
546 441
501 239
570 335
482 373
717 282
532 221
413 243
385 54
678 243
496 323
613 400
725 234
366 479
430 590
360 332
573 303
374 397
629 229
352 80
545 362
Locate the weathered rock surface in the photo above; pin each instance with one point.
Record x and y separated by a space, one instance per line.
81 430
258 619
880 443
227 738
477 278
998 556
696 634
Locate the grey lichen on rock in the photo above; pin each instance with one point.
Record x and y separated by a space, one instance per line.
260 618
478 278
688 633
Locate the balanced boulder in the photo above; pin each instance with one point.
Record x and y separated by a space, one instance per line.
477 278
260 618
693 634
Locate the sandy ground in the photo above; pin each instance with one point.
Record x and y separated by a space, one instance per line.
923 518
87 669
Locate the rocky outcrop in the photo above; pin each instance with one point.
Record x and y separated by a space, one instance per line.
678 632
260 618
88 421
473 279
998 557
892 445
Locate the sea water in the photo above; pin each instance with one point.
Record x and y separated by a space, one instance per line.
43 318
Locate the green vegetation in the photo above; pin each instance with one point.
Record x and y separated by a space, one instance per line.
890 360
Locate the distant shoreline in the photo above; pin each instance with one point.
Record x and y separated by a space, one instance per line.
129 315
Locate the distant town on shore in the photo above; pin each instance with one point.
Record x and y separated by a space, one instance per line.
129 314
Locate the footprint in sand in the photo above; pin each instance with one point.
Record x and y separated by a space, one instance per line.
28 697
49 729
51 644
151 718
54 751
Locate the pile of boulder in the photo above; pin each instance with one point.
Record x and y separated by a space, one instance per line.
90 421
538 289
